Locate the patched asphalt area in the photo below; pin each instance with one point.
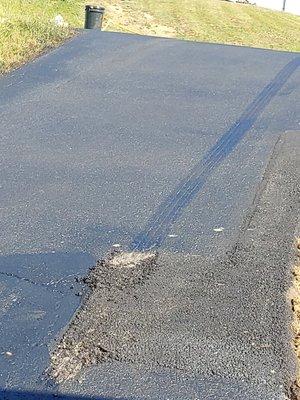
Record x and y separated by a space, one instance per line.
209 319
130 142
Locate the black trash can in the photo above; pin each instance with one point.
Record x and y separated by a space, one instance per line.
93 17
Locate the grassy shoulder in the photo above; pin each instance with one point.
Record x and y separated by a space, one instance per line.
27 27
207 20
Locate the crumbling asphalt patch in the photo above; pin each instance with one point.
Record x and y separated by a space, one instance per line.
86 341
218 318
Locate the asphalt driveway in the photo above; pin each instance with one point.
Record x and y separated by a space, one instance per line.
188 149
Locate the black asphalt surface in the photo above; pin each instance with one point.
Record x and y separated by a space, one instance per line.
186 148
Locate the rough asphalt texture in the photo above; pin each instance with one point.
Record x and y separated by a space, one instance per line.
87 340
98 138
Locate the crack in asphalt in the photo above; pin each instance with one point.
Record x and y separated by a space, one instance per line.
32 282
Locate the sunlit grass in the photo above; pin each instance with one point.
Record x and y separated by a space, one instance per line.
27 27
223 22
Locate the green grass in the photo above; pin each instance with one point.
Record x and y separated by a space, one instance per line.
222 22
27 28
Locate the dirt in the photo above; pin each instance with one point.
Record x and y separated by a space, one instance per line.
135 22
294 296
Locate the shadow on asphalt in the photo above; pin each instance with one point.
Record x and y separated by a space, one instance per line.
24 395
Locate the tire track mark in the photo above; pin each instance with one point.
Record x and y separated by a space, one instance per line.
172 207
